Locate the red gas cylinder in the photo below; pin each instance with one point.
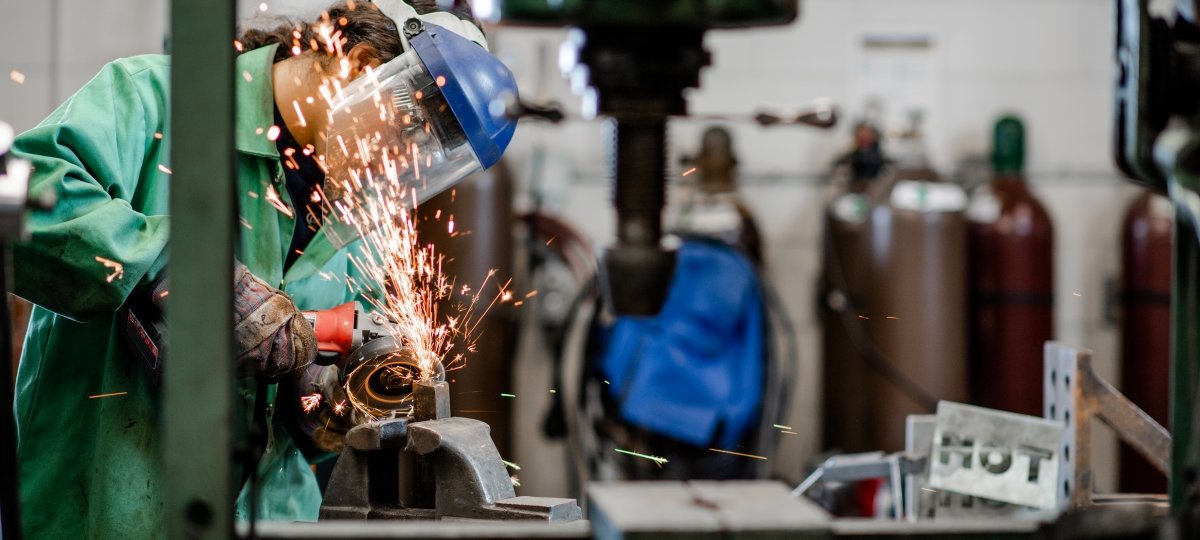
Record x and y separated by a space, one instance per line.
1146 325
1011 281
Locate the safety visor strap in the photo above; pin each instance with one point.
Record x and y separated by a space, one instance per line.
400 11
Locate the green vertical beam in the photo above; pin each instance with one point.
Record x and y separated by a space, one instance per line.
199 373
1184 289
1178 154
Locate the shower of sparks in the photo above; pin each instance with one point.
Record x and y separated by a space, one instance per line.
372 192
118 269
752 456
515 481
310 402
339 408
273 198
17 76
164 169
512 465
781 426
689 171
113 394
508 395
788 432
300 115
273 133
656 459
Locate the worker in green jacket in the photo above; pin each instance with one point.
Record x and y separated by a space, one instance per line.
87 411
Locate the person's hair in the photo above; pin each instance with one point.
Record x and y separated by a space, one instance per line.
358 22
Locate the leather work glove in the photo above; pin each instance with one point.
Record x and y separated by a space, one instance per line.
271 336
321 410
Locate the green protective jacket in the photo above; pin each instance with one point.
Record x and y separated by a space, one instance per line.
90 467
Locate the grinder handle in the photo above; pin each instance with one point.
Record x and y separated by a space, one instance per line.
335 331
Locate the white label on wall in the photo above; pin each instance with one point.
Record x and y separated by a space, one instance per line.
996 455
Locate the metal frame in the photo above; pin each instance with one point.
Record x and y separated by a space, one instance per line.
198 441
1075 395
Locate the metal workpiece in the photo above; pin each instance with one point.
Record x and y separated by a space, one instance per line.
1075 395
894 467
472 481
431 401
702 509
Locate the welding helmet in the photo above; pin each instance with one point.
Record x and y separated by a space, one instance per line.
417 125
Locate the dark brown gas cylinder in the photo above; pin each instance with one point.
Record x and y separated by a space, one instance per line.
916 309
1011 280
847 425
1146 326
472 226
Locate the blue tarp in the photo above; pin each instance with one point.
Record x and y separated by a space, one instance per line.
698 364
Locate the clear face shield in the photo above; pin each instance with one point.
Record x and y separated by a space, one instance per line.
393 142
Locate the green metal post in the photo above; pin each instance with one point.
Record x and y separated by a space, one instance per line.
1177 150
199 375
1183 351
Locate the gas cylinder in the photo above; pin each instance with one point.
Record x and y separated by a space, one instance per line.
916 309
1146 325
1011 281
713 208
895 306
846 424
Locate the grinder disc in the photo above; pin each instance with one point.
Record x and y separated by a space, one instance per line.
378 377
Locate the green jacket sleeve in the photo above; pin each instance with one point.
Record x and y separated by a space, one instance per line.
93 153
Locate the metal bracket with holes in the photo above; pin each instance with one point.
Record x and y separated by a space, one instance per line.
1075 395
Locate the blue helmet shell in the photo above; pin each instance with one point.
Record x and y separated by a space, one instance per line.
473 78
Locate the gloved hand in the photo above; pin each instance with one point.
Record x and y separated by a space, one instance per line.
270 335
322 412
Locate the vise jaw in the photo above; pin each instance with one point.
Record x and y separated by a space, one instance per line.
430 466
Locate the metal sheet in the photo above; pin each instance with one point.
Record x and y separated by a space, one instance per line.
422 530
996 455
702 509
197 453
926 503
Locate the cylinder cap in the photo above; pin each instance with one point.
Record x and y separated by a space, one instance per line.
1008 145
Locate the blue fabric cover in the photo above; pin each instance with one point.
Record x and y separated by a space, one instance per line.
698 364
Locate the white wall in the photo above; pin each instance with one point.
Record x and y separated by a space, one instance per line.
1049 60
